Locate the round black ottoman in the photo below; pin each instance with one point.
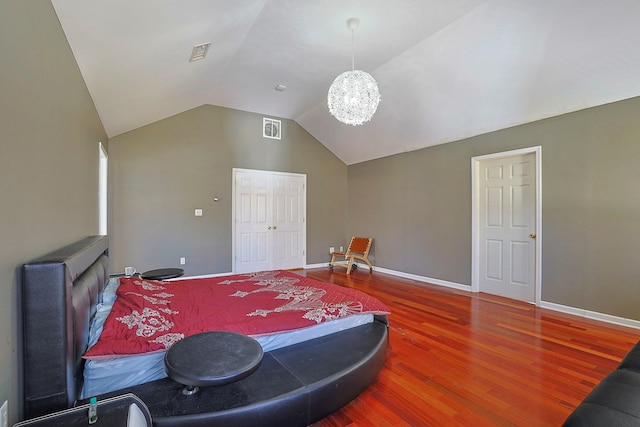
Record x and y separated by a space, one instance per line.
212 358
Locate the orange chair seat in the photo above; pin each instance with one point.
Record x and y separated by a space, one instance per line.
358 250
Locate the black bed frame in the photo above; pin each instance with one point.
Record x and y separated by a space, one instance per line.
293 386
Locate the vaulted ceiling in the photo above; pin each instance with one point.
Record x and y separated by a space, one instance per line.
446 69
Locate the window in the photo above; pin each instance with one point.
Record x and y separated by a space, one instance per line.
102 190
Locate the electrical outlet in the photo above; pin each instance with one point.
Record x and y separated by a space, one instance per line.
341 248
4 416
332 249
198 212
183 261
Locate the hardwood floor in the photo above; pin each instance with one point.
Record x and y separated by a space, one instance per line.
464 359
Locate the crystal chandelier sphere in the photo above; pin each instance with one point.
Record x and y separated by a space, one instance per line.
353 97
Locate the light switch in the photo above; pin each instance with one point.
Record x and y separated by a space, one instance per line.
198 212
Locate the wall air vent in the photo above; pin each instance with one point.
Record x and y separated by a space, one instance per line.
199 51
271 128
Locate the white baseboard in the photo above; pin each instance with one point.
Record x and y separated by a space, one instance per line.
428 280
594 315
319 265
404 275
591 314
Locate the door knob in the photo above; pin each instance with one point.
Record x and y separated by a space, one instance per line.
275 226
269 228
532 235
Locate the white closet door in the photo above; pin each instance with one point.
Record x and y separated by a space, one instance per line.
288 221
269 225
253 239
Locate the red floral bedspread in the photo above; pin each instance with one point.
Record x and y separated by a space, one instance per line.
150 316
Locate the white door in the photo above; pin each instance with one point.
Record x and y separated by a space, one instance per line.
507 226
269 227
253 212
288 221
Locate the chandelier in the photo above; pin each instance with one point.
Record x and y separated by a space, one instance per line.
353 96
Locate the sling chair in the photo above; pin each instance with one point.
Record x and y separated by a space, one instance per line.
358 250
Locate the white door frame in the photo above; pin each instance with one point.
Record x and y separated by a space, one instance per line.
475 216
233 212
103 167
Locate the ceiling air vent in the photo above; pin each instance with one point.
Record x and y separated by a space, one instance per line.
199 51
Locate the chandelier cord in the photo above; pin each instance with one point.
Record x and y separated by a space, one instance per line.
353 50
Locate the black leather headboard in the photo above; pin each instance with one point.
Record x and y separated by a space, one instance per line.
60 292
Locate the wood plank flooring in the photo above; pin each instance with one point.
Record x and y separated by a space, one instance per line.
463 359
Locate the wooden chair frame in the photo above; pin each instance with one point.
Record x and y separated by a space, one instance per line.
358 250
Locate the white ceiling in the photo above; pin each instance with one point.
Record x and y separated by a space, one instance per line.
446 69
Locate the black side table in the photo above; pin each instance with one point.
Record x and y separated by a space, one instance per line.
113 411
212 358
162 274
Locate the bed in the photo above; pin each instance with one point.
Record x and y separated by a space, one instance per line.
295 384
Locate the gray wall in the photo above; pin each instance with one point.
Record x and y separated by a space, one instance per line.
418 207
49 134
160 173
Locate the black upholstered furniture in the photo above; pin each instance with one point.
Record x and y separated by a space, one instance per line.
112 412
292 386
59 296
616 400
211 359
